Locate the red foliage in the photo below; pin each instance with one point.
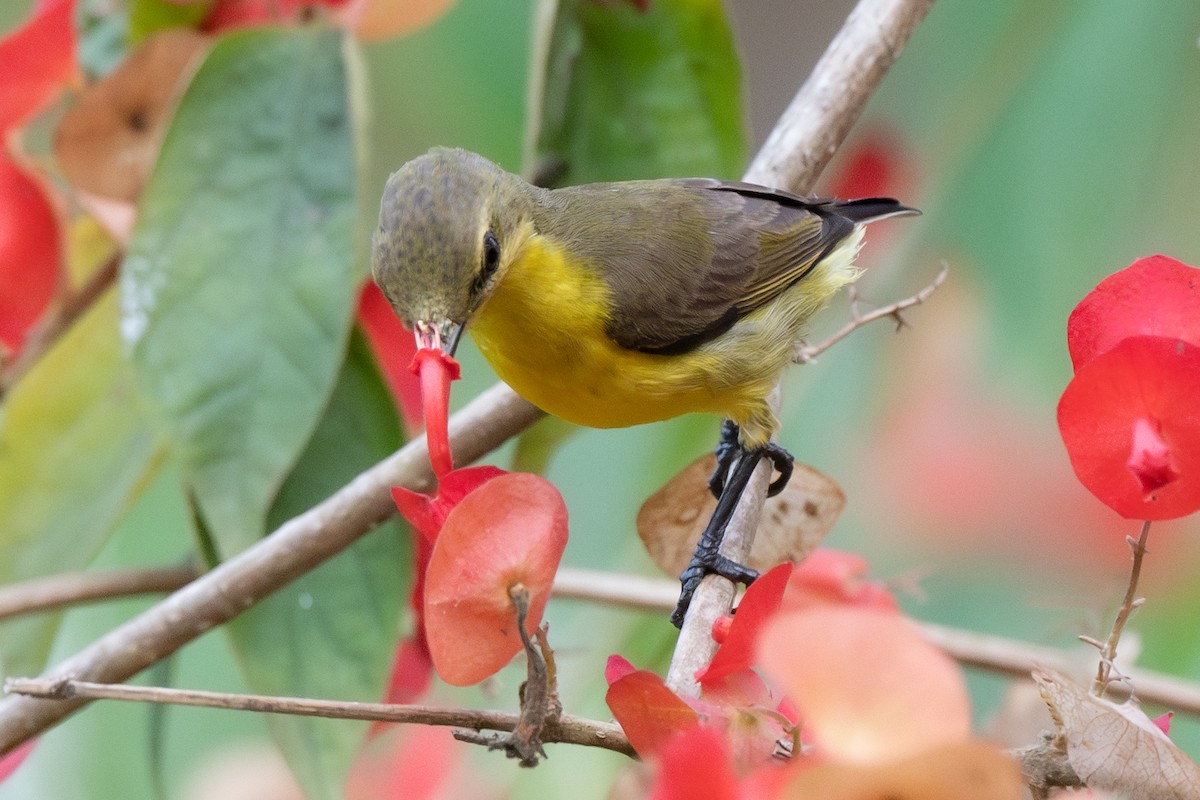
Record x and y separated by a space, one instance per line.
30 252
650 714
1131 425
509 532
393 348
761 600
1154 296
37 60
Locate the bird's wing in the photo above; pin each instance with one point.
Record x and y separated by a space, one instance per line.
685 259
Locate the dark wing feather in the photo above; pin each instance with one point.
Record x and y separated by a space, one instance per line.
685 259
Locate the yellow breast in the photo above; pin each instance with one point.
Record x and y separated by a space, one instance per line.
543 331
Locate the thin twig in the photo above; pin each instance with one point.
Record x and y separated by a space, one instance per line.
998 654
73 588
566 729
809 352
57 321
802 143
1108 653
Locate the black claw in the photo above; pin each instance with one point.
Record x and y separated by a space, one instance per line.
783 462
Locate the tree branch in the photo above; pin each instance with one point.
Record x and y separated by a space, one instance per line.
803 142
564 728
73 588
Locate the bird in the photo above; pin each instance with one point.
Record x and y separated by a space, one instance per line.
622 303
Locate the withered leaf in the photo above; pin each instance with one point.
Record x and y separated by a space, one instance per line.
792 525
109 140
1115 747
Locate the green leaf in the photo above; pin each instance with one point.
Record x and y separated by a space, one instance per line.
237 289
331 633
149 16
75 450
621 93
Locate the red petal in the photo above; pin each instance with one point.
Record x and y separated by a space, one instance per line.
835 577
695 764
1155 296
412 762
30 253
511 530
761 600
871 166
436 370
1147 378
393 348
36 61
648 712
412 671
616 668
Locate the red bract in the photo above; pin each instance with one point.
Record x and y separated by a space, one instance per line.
14 759
1155 296
30 253
695 764
509 532
760 601
436 370
230 14
1131 423
393 348
650 714
36 61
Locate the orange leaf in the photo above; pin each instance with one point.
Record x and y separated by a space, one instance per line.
511 530
649 713
969 770
868 685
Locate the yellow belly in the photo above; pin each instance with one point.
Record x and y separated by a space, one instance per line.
543 332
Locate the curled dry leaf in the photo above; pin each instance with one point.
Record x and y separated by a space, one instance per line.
108 142
1115 747
792 525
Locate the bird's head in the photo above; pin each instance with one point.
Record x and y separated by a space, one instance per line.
439 250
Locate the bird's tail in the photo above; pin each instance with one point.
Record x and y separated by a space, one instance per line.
870 209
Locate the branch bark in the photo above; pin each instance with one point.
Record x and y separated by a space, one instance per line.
802 143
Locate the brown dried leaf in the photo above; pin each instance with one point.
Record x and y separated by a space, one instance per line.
792 525
1115 747
108 142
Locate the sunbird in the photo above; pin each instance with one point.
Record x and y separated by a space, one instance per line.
615 304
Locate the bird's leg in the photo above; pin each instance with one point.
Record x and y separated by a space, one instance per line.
729 448
707 558
726 451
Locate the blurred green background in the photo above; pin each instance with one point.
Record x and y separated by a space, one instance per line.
1048 144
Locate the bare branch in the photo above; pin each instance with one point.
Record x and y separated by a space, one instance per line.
1108 652
74 588
566 729
804 139
997 654
809 352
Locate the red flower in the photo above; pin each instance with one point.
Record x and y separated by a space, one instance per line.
1155 296
1131 424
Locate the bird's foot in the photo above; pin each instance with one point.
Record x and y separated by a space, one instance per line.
783 461
727 451
690 579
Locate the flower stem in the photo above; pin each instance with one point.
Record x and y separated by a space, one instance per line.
1108 653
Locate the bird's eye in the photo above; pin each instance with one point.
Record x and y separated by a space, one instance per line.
491 260
491 253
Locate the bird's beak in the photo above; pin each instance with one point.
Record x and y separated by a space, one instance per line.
442 334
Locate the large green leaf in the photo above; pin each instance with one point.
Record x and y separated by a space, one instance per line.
621 93
332 632
75 450
238 285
